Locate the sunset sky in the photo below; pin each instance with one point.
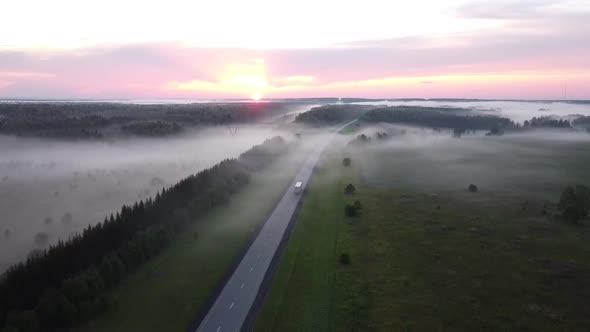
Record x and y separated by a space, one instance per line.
527 49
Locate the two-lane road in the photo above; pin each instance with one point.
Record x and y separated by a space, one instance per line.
231 307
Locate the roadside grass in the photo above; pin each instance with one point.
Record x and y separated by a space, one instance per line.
301 293
429 261
166 293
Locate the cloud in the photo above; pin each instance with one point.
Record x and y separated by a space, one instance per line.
293 80
551 48
13 74
504 9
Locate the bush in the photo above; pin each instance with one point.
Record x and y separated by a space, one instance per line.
357 204
472 188
346 161
575 203
350 210
349 189
344 259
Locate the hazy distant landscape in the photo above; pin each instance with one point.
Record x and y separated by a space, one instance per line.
56 180
49 190
429 222
295 166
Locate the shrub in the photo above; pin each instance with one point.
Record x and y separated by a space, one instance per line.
472 188
349 189
350 210
344 259
357 204
575 203
346 161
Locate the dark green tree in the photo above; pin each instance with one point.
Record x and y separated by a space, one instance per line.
574 203
344 259
349 189
350 210
357 204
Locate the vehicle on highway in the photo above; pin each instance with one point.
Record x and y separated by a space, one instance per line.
298 187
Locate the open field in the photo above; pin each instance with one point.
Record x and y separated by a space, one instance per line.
434 257
536 163
166 293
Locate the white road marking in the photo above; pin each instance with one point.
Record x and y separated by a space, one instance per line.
242 286
231 306
218 328
251 269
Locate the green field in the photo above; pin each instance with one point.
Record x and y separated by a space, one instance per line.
430 257
526 164
166 293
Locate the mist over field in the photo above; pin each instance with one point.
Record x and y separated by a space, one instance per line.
538 162
50 189
518 111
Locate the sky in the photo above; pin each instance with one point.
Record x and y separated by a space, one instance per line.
526 49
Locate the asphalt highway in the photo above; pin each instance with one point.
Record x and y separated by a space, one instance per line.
231 307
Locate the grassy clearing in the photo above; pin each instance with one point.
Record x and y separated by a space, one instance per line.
429 261
166 293
512 164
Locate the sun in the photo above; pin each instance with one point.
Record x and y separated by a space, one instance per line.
256 96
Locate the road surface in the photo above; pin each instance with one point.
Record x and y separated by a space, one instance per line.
232 305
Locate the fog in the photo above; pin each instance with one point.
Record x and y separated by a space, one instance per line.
514 110
538 163
51 189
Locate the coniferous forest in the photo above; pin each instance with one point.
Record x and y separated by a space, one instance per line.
66 284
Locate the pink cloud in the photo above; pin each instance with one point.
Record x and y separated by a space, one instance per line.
542 53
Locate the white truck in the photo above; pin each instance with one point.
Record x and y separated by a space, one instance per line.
298 187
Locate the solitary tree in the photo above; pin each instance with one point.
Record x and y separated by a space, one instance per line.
344 259
350 210
346 161
575 203
472 188
349 189
357 204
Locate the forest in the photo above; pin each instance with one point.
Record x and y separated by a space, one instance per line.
436 118
583 122
546 122
155 128
91 120
65 285
331 114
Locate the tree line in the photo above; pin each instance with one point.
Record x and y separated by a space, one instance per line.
87 120
331 114
435 118
583 122
546 122
66 284
152 128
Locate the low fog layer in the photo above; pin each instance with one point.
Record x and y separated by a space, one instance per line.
516 111
537 162
51 189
